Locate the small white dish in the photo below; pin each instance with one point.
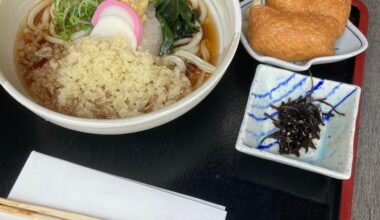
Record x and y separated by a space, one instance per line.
334 151
350 44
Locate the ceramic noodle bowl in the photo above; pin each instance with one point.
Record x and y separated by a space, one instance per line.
227 16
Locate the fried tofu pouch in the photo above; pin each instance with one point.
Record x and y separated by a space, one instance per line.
338 9
290 37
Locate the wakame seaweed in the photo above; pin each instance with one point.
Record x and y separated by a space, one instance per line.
299 123
177 20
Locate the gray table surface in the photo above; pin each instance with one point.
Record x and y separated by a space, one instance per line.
367 183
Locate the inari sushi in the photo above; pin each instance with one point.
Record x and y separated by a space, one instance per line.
290 37
338 9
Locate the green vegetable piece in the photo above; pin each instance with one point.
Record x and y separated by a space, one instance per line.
71 16
168 37
177 20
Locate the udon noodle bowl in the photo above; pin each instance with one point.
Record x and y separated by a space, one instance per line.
115 59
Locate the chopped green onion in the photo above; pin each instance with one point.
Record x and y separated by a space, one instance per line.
71 16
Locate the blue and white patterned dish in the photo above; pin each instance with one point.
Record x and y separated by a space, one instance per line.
350 44
334 153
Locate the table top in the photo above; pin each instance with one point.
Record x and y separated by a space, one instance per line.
51 140
193 155
367 181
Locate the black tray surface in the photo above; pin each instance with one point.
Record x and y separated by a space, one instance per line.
194 155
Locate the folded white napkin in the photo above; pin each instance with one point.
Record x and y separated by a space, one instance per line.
54 183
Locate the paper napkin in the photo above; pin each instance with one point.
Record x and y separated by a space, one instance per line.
55 183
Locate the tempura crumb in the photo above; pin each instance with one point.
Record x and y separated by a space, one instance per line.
140 6
106 79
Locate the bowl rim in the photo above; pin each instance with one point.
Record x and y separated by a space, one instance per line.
194 97
309 63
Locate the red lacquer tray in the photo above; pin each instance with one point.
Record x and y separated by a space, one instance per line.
195 154
348 185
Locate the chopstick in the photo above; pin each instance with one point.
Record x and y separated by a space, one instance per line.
34 212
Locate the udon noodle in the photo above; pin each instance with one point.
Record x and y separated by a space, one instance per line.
40 42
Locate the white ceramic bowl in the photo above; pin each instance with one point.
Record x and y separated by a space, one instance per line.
334 153
350 44
228 19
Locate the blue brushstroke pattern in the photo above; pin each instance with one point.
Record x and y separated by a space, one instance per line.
332 92
262 134
341 102
316 87
299 84
281 84
251 115
296 86
264 147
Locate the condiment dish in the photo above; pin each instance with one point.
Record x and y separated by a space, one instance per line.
334 150
350 44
